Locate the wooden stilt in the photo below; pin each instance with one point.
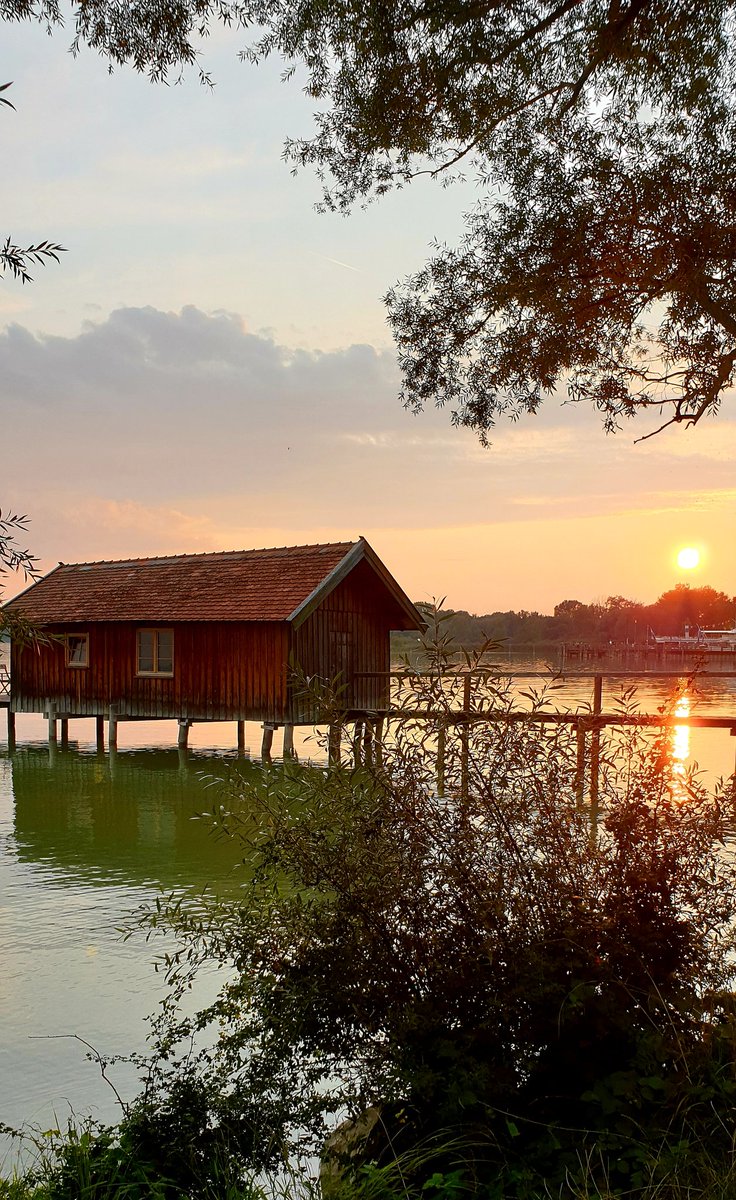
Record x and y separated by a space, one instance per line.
378 744
241 737
358 743
100 734
11 730
64 723
333 743
112 731
288 748
368 743
183 737
267 743
52 725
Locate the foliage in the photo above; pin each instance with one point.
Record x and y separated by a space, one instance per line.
616 619
88 1161
599 257
18 259
473 958
13 557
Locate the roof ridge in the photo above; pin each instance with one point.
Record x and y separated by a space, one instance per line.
122 562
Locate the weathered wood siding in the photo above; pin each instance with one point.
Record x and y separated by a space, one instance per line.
222 671
347 635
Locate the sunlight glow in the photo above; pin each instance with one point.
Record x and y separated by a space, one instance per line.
688 558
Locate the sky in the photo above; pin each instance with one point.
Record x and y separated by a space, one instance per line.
209 366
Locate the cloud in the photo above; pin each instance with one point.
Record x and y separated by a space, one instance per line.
191 429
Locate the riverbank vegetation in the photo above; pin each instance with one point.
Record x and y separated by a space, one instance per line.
484 988
615 619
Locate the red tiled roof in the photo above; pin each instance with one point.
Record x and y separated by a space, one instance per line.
239 585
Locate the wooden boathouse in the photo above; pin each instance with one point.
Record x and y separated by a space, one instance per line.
209 637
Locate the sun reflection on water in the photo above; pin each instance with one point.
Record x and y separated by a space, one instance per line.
680 747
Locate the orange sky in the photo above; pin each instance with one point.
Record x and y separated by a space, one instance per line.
209 368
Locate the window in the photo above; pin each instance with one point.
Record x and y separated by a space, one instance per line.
155 655
77 649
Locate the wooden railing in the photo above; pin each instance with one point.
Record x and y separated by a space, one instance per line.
4 685
588 721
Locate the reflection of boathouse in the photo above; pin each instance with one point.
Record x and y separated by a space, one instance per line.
210 637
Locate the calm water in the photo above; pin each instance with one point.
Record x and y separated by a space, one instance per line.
85 839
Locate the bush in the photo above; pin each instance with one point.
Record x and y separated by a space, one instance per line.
548 995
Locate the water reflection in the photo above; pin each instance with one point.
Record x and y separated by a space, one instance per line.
680 748
126 817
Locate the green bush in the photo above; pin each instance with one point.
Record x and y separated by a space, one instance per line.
492 968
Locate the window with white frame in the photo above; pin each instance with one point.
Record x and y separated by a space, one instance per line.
77 649
155 652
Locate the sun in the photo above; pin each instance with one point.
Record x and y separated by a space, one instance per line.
688 558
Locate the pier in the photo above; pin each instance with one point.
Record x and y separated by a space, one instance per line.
450 703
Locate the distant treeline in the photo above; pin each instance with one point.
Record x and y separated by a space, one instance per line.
615 620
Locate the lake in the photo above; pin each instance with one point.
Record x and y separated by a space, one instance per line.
86 838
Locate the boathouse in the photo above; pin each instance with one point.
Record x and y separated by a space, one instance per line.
210 637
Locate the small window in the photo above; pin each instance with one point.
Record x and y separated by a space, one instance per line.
155 654
77 649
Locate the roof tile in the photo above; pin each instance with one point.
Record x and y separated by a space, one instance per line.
238 585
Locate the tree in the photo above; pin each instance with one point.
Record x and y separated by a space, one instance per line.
701 607
599 258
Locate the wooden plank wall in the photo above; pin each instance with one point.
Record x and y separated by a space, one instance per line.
224 671
361 612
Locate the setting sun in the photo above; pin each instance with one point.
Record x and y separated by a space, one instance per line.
688 558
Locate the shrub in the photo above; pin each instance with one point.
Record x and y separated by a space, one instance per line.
490 968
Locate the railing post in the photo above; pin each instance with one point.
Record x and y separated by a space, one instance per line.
465 740
580 763
595 751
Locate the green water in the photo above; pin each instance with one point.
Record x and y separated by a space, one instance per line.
84 840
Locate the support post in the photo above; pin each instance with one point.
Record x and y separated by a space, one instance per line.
441 750
64 722
378 743
241 738
358 743
368 743
333 744
465 740
288 747
11 730
183 737
100 734
595 752
580 763
112 730
266 743
52 724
